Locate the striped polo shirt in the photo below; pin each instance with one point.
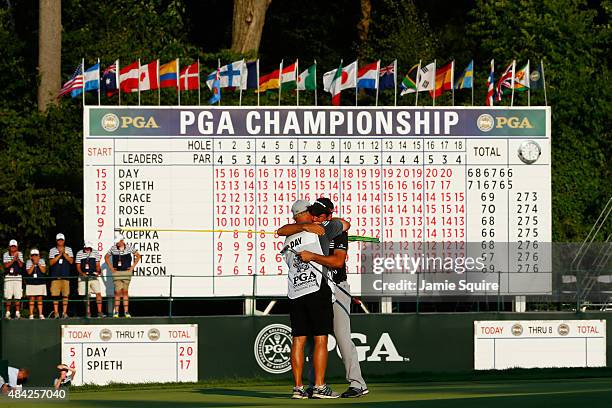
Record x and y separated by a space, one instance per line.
7 258
53 252
129 249
82 255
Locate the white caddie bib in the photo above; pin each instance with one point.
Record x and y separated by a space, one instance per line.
303 279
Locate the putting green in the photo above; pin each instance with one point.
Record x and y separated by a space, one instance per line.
591 393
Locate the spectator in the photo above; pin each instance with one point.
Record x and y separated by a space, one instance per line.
88 267
65 376
60 259
13 284
36 285
121 268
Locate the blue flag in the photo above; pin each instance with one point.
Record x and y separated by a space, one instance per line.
252 80
215 87
387 77
109 80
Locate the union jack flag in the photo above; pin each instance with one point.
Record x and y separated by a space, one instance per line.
387 76
75 82
505 81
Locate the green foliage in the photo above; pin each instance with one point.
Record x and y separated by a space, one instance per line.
563 33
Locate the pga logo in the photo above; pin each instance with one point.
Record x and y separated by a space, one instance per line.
272 348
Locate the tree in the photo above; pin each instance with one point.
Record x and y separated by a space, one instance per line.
49 51
247 24
363 27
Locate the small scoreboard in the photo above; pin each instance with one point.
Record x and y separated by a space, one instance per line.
102 354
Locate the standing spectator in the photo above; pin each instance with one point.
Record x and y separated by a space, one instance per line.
88 267
36 285
13 284
60 259
121 268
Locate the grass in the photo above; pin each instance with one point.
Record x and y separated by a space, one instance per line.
514 388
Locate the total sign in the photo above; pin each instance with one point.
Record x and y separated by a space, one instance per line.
272 348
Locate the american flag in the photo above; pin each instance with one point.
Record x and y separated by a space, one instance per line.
491 86
75 82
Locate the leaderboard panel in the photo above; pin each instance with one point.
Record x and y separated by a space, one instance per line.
200 191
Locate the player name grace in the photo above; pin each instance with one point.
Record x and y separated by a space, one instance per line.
319 122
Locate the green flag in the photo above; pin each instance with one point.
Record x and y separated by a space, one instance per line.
307 80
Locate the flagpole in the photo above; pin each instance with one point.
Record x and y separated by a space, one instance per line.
138 81
418 77
117 81
453 81
356 89
99 76
543 82
280 83
512 82
158 86
240 85
258 82
377 79
83 81
395 82
473 81
315 79
434 83
219 74
297 77
528 82
178 82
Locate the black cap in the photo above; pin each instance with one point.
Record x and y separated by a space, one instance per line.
321 206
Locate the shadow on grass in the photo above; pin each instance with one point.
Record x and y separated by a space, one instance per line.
238 392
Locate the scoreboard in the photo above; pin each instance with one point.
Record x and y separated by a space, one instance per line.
102 354
201 190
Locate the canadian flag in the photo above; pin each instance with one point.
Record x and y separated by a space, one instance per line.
148 76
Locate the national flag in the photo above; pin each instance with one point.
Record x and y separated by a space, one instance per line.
444 79
427 78
168 75
491 86
367 76
536 78
387 77
465 81
307 80
252 80
232 74
289 76
128 78
74 83
521 79
109 79
148 76
505 81
269 81
215 87
408 84
189 77
92 78
331 83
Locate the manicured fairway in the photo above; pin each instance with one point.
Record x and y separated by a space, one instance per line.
583 393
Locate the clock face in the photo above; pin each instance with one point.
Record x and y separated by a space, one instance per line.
529 151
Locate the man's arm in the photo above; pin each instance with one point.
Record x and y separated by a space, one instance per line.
68 256
137 258
108 262
345 224
290 229
334 261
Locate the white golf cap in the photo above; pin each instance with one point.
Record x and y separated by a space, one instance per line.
299 206
118 238
88 244
13 242
60 236
34 252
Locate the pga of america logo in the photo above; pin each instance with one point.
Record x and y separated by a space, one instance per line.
273 348
110 122
485 122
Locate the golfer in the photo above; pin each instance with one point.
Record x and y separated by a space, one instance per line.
65 376
321 211
309 295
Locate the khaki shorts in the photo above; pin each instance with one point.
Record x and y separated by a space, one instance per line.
93 286
60 286
122 279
